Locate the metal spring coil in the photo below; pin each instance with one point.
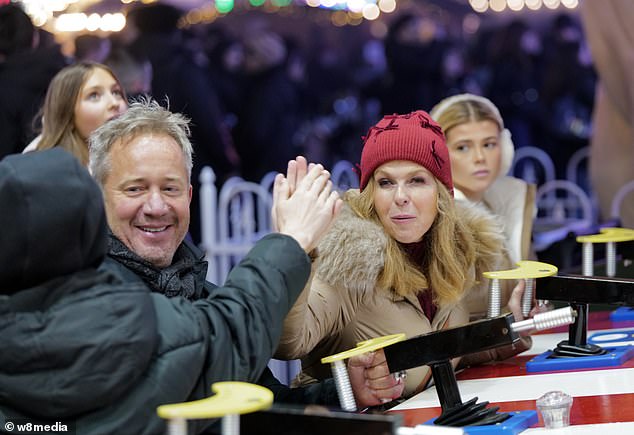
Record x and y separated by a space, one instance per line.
344 389
588 260
177 426
610 257
495 298
527 299
554 318
231 424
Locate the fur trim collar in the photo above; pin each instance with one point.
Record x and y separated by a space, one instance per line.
352 253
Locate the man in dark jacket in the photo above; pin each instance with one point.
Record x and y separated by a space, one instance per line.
84 345
143 161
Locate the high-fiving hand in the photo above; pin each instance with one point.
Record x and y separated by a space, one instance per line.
304 203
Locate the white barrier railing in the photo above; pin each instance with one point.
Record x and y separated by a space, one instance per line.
233 219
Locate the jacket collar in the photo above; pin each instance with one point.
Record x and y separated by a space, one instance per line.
184 277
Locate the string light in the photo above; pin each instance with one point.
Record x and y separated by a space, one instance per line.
533 4
552 4
515 5
53 13
481 6
497 5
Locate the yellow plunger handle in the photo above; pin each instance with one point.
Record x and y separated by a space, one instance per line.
608 235
526 269
364 346
230 398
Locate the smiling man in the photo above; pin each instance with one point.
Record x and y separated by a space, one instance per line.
147 196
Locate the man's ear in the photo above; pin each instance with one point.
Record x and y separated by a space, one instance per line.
191 191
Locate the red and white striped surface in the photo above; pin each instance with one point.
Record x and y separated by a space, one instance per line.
602 397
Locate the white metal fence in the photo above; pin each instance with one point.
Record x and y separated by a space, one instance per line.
233 219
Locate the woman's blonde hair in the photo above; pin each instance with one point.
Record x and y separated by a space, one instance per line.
466 108
455 111
58 111
449 247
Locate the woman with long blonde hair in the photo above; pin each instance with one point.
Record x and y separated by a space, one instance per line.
79 99
400 256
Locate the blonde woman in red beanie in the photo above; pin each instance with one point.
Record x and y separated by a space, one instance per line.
481 153
399 257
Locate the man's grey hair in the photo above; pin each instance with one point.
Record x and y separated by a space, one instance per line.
144 117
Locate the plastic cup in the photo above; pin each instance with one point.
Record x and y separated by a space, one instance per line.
555 409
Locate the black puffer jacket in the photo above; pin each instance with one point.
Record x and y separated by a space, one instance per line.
90 346
186 277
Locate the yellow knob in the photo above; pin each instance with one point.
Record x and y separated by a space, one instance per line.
230 398
364 346
526 269
608 235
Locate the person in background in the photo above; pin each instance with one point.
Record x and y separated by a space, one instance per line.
26 68
80 98
481 153
265 139
415 46
91 48
134 73
179 81
400 256
143 162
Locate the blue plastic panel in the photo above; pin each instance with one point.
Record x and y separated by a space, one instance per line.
622 314
615 357
519 422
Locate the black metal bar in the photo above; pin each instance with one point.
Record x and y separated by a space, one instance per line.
446 385
586 289
578 331
439 346
579 291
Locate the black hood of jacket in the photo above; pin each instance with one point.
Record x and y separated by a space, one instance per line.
75 337
29 210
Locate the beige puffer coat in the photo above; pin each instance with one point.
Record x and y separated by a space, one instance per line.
343 304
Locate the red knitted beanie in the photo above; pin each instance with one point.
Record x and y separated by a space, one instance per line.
414 137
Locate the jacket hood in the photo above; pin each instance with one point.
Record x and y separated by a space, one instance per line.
74 344
53 219
352 253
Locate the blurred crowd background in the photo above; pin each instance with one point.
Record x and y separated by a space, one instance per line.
261 87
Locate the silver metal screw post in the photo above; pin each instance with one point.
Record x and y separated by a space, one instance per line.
610 256
344 389
230 424
550 319
527 299
588 259
495 298
177 426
